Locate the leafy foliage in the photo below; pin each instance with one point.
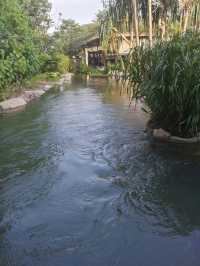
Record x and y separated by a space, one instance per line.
25 43
38 13
57 63
19 57
91 71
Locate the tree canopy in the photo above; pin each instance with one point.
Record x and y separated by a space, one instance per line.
70 35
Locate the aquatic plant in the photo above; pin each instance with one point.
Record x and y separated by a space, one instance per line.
167 79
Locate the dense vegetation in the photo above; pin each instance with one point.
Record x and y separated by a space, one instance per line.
19 54
26 48
160 18
167 79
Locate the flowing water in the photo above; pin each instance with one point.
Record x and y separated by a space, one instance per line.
81 184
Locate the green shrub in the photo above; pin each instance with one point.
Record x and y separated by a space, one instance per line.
53 76
92 71
56 63
83 69
19 55
167 77
115 69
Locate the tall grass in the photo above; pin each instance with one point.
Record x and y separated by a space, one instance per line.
167 78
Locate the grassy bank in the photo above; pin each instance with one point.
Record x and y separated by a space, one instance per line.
33 83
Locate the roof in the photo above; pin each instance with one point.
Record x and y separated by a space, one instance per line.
128 34
96 38
85 43
91 41
126 52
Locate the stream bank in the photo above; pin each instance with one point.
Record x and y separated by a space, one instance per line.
16 103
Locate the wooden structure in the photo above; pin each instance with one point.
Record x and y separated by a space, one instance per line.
94 55
126 43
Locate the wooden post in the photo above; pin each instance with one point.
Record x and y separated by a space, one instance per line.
150 23
86 57
186 18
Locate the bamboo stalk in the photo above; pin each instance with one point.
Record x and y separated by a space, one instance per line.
136 24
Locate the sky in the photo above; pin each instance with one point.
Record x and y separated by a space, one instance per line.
83 11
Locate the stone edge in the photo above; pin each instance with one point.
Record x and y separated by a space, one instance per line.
65 78
167 137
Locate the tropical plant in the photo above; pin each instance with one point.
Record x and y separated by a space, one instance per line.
167 79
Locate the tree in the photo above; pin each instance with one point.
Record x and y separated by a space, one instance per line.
155 15
38 13
70 35
19 56
124 15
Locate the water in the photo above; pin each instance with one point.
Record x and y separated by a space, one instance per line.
81 184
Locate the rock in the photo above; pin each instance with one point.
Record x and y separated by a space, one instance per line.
32 95
193 140
161 134
47 87
68 76
27 96
60 82
12 104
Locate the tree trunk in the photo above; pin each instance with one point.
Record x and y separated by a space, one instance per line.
86 57
150 23
136 23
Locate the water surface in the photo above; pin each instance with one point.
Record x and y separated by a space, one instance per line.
81 184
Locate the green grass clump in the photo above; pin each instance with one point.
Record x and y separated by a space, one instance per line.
91 71
167 78
35 81
56 62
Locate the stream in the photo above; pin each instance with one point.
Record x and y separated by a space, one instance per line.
81 184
